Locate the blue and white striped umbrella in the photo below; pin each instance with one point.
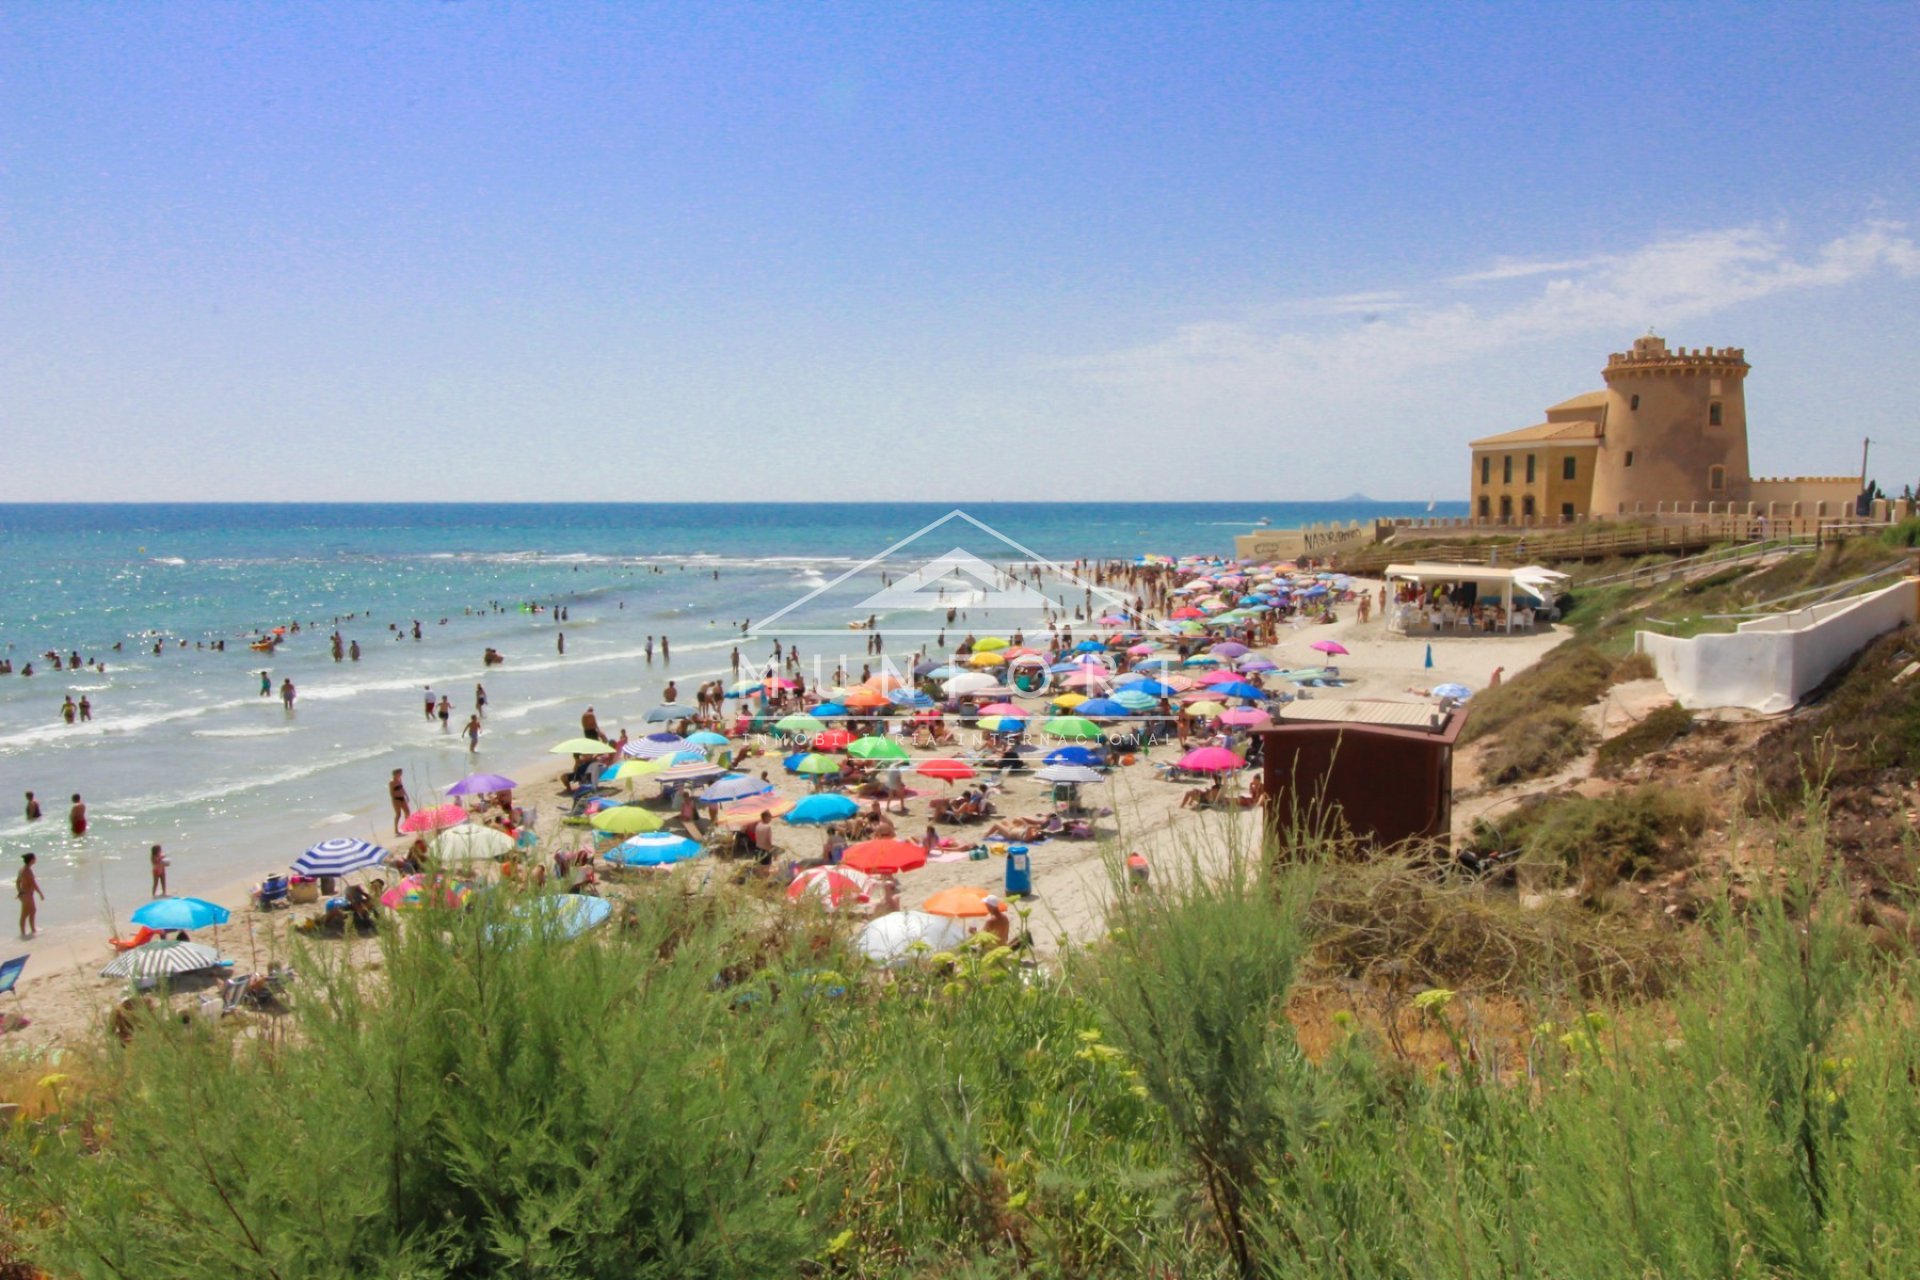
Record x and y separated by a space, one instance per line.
735 786
655 745
338 856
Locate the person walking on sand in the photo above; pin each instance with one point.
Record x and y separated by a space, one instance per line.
77 816
26 886
157 863
472 733
286 693
397 792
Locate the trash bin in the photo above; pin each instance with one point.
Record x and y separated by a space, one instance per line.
1019 872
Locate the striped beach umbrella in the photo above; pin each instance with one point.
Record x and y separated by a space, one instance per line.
655 849
159 958
338 857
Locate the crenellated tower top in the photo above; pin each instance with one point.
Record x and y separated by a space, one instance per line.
1650 356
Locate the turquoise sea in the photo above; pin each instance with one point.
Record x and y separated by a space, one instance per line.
183 751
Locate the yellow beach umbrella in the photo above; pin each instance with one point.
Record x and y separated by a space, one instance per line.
1068 701
986 660
1207 708
626 820
581 747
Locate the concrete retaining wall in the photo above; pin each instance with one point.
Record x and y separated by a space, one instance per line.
1769 664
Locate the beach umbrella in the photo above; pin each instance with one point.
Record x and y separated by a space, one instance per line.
988 659
707 738
1101 707
1257 663
1089 646
1068 701
481 784
159 958
435 819
900 935
566 915
827 711
626 820
654 746
580 747
989 644
817 765
338 857
798 725
1458 692
970 682
735 786
830 886
628 770
1246 718
1072 727
1206 707
1228 649
1073 773
1239 689
1133 700
883 682
944 770
1002 724
471 844
1220 677
1211 760
884 857
821 809
653 849
832 740
871 748
697 768
664 713
420 891
1088 678
864 700
741 688
961 902
909 698
180 913
944 671
1328 647
1071 755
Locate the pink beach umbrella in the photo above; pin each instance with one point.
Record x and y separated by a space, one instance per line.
1328 646
1211 760
438 818
1221 677
1246 718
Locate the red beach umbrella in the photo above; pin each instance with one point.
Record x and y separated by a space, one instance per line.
884 857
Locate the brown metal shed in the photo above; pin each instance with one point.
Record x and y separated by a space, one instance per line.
1381 770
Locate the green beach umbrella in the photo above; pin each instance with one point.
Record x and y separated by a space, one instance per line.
1072 727
799 724
872 748
817 765
626 820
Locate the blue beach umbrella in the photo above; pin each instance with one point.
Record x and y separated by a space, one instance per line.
1071 755
909 698
1090 646
1153 688
655 849
565 915
180 913
1134 700
654 745
707 738
827 711
821 809
1101 707
1238 689
662 714
1457 691
338 856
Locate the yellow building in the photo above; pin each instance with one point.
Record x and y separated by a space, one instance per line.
1669 431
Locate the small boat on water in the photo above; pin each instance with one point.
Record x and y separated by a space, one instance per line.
1263 522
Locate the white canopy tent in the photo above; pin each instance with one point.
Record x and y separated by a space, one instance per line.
1488 582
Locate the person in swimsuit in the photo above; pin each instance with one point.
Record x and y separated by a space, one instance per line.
157 862
472 733
33 808
27 887
397 792
445 712
77 815
286 693
266 684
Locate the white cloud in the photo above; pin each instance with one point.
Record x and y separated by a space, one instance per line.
1659 284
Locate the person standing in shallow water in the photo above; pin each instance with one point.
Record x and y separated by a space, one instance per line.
287 693
266 684
77 816
157 862
26 886
397 792
33 808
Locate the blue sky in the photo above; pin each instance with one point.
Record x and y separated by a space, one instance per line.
946 252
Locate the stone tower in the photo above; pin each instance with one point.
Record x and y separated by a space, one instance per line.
1675 428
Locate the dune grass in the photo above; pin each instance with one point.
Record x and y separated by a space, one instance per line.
706 1092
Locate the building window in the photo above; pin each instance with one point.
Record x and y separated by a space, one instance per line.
1716 478
1506 469
1633 402
1506 506
1629 457
1567 465
1526 506
1486 506
1566 511
1529 468
1486 471
1713 414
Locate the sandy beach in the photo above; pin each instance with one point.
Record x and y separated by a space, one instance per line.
65 999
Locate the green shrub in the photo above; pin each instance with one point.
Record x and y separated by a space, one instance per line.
1535 745
1661 728
1570 677
1628 835
1904 534
1862 725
